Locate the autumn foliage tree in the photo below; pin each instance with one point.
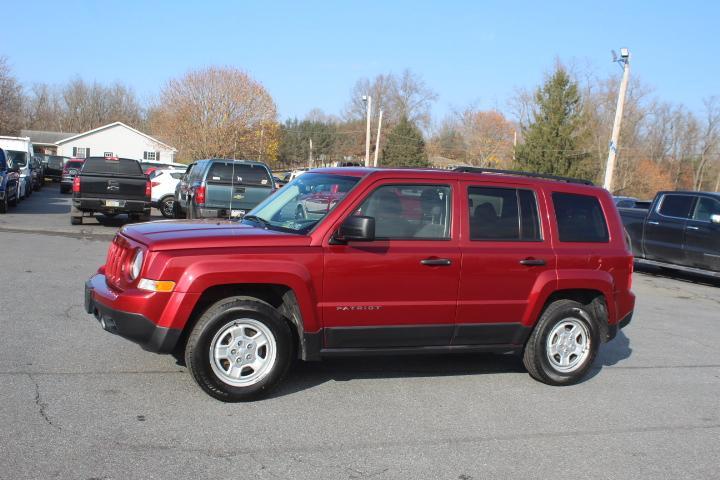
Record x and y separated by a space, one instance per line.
217 112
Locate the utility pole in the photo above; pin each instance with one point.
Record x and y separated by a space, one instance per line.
310 161
612 153
377 140
368 100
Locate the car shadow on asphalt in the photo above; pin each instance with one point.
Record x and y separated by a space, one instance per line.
306 375
677 275
48 200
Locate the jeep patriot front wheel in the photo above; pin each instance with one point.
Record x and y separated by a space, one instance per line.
239 349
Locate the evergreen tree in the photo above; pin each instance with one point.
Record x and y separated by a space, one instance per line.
553 141
405 146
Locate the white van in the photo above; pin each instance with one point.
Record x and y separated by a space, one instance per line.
20 150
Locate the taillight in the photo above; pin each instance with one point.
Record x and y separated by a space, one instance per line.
631 268
148 188
76 184
200 195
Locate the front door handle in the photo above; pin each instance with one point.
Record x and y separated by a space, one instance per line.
692 227
532 262
436 262
653 222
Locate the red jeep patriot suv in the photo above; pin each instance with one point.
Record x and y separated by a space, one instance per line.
398 261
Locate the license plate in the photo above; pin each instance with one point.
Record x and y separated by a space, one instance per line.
237 213
112 203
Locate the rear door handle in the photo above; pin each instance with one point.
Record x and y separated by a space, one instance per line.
691 227
436 262
652 222
532 262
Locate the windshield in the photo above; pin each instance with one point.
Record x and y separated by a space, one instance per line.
302 203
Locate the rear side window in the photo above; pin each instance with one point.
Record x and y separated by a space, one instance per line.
705 209
503 214
239 174
120 166
579 218
676 206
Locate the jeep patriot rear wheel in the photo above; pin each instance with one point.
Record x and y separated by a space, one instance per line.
563 344
239 349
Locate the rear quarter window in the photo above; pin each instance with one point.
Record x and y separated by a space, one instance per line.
579 218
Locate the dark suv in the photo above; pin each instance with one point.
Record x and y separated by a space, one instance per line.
385 262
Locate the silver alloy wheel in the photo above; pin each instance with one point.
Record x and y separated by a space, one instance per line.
568 345
243 352
167 207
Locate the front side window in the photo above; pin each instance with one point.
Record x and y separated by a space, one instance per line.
409 212
705 209
302 203
579 218
503 214
676 206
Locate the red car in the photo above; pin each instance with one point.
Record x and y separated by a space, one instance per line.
390 262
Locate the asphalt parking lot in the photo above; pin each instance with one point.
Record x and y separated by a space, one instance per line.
76 402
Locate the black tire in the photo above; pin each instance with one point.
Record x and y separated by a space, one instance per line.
559 314
4 204
222 315
167 206
177 213
75 220
14 200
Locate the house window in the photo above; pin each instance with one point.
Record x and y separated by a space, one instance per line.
81 152
108 154
153 156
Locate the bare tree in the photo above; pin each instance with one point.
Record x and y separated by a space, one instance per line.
709 140
217 112
11 101
405 95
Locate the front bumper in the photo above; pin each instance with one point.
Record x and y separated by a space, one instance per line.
132 326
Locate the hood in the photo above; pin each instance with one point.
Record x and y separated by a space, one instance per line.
184 234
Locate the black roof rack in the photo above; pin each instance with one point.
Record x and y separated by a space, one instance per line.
523 174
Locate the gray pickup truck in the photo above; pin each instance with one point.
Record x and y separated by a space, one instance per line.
680 230
110 185
221 188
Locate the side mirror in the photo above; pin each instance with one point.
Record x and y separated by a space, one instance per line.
356 229
715 219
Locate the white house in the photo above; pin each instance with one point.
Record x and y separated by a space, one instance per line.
116 140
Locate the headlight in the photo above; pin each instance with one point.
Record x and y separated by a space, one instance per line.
136 264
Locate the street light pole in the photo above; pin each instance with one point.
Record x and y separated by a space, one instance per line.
612 153
368 99
377 140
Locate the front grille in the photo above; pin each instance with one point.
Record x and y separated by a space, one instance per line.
117 258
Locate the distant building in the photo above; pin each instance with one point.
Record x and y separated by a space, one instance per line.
112 140
45 142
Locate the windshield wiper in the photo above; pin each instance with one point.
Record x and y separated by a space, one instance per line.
254 218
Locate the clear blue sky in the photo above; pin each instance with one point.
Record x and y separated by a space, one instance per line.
309 54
